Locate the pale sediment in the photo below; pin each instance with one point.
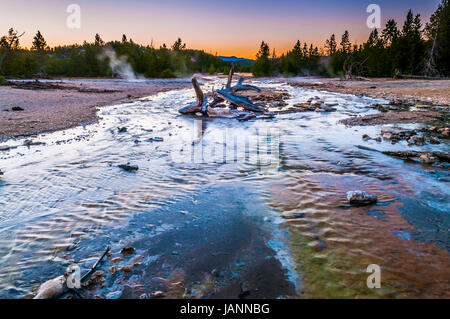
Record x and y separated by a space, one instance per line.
33 109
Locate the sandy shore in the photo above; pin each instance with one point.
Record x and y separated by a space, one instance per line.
74 103
437 92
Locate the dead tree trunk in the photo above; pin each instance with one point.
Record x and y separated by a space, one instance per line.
349 71
430 68
201 104
230 76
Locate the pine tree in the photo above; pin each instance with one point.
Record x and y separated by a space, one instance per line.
345 42
262 65
39 43
98 41
390 33
331 45
178 45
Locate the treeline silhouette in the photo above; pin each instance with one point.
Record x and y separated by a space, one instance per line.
413 49
90 60
410 49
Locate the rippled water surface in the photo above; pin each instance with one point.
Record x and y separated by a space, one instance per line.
258 188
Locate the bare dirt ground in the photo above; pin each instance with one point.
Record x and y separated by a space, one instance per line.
394 117
437 92
33 108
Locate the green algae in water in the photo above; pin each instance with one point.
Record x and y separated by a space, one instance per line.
330 274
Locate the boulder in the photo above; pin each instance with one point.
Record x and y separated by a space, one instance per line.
52 288
361 198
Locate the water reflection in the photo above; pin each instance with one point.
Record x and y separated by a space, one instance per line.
301 164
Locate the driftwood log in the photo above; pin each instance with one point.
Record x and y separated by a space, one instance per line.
241 101
201 104
244 87
216 108
230 76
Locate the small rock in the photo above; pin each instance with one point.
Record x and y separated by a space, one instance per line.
114 295
31 143
127 250
361 198
156 139
417 140
113 269
116 260
97 278
17 109
427 159
126 269
396 133
1 173
122 129
327 108
434 140
158 294
129 168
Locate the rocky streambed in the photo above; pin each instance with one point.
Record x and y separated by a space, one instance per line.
215 208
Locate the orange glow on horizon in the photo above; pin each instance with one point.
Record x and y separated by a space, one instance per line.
237 29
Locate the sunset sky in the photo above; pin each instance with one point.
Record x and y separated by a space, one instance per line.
229 27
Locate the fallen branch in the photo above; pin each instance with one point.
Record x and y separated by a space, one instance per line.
216 100
91 271
240 101
244 87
